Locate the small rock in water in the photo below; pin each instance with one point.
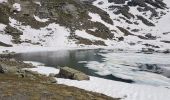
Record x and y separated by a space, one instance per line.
70 73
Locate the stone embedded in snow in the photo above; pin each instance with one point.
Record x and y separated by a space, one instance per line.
70 73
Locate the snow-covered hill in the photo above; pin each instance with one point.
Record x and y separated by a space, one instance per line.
125 24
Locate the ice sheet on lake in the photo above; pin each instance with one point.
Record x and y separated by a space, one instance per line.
126 66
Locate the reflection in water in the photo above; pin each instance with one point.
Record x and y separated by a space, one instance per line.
78 59
62 58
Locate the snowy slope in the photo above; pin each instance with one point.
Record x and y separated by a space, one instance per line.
161 26
134 27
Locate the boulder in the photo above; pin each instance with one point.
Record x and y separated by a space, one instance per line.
1 69
66 72
52 80
8 69
52 75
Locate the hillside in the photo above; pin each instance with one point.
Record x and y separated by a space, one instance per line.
125 24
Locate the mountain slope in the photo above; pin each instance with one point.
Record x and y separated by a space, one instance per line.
126 24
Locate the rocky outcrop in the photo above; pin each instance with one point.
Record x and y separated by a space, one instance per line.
5 45
8 69
1 69
70 73
145 21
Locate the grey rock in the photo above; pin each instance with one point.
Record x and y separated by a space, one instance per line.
52 75
1 69
52 80
8 69
70 73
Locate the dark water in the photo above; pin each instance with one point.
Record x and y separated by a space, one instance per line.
69 58
72 58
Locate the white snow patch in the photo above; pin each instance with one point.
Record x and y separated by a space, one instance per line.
3 1
2 27
5 38
84 34
39 19
38 3
119 89
17 6
41 68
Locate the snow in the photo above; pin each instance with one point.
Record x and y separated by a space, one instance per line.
162 25
5 38
84 34
2 27
40 20
17 6
125 91
52 35
2 1
126 66
119 89
96 18
38 3
41 68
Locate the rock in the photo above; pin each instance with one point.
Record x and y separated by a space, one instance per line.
80 76
145 21
52 80
70 73
166 51
1 69
52 75
150 37
117 1
126 32
8 69
121 39
5 45
147 50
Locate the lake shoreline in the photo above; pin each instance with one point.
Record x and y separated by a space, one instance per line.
22 84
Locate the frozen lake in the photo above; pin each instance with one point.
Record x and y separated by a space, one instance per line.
130 67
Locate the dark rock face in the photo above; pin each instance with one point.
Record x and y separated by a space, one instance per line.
166 51
124 10
143 3
126 32
147 50
165 41
1 69
70 73
150 36
117 1
5 45
145 21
